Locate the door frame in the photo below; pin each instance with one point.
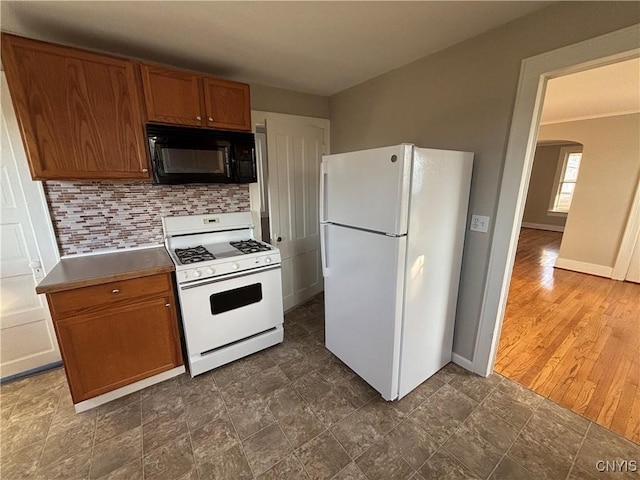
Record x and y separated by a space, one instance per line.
534 73
629 239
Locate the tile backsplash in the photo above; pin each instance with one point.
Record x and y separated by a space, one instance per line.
100 215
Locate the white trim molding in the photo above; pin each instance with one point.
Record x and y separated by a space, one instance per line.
591 117
551 213
127 389
535 71
543 226
629 239
583 267
461 361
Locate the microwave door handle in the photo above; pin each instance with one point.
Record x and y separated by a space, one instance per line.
228 164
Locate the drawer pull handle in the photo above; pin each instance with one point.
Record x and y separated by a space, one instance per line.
167 305
115 290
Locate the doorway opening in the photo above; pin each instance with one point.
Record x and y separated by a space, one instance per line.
570 332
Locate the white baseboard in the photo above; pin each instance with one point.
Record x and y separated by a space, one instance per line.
127 389
584 267
463 362
543 226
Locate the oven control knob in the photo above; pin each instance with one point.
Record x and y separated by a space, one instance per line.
267 260
197 273
235 266
210 271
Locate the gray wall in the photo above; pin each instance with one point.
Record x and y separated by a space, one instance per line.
543 174
462 98
279 100
607 182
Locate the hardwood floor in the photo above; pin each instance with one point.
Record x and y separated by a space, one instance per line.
573 338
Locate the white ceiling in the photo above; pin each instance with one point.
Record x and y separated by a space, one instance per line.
314 47
604 91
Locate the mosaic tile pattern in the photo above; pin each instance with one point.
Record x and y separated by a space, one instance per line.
294 411
99 216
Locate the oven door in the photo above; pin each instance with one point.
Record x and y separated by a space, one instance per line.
218 312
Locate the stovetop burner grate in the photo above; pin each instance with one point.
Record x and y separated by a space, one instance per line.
250 246
193 255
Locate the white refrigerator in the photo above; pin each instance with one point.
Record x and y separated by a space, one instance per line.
392 230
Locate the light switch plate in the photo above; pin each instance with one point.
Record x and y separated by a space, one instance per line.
479 223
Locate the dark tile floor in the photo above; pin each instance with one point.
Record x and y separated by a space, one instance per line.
296 412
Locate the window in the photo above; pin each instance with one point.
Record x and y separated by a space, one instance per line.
566 178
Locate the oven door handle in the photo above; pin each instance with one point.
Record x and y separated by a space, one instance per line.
222 278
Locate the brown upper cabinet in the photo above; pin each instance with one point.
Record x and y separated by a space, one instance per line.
79 112
186 98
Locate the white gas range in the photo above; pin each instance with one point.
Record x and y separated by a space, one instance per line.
229 287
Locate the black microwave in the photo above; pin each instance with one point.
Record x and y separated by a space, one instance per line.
191 155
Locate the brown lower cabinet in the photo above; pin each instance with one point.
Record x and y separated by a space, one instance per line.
116 333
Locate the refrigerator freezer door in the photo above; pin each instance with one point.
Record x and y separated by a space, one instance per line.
363 303
367 189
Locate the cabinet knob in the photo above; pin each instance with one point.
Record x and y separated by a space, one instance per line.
145 170
279 239
167 305
211 119
115 290
198 117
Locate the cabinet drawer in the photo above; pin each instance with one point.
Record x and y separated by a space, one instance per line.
99 297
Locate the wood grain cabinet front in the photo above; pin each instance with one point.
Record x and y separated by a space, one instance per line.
105 344
79 112
186 98
227 104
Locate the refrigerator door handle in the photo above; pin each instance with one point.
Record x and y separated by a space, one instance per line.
323 249
323 197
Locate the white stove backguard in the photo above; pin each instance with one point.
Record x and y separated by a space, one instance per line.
215 222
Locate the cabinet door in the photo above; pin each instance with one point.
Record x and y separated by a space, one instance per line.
113 348
79 112
172 96
227 104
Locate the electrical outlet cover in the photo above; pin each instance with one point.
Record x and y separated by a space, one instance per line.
479 223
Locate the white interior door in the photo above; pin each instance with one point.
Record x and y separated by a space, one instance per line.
294 150
27 338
